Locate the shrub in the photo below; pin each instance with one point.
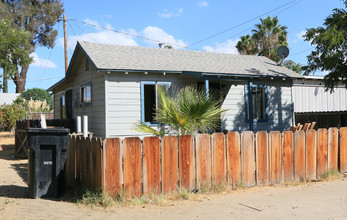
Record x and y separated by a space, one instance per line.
9 114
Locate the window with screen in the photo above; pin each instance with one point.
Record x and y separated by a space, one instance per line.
86 93
258 106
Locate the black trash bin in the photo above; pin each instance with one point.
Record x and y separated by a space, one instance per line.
47 156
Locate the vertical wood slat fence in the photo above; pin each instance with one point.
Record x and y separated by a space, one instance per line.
161 166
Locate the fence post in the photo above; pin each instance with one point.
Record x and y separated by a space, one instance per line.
186 161
234 158
262 159
311 154
218 158
288 156
169 163
203 160
332 148
299 155
322 151
132 166
151 165
113 166
275 157
247 158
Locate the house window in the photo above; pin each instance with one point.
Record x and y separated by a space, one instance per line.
62 107
149 99
258 107
86 93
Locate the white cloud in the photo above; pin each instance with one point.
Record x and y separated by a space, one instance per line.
103 37
228 46
159 34
167 14
203 4
299 36
42 63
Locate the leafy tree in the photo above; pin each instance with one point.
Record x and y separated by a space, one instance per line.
36 17
186 111
331 49
12 52
266 38
37 94
290 64
246 46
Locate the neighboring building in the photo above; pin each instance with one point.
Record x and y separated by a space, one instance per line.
8 98
313 103
116 87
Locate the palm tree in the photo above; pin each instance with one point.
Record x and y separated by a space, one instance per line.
269 35
246 45
186 111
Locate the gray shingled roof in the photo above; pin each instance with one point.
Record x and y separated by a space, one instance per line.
116 57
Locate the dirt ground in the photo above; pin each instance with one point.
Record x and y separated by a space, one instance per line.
322 200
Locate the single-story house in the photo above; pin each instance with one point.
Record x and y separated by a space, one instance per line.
116 87
313 103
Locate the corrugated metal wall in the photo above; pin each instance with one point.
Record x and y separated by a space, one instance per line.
309 95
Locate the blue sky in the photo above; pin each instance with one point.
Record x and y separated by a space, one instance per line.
179 23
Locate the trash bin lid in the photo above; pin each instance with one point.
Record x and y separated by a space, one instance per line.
49 131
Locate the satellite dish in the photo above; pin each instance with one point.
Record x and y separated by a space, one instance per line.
283 52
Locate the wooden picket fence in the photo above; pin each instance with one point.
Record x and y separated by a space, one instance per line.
152 165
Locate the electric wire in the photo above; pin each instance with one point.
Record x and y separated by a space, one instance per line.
238 25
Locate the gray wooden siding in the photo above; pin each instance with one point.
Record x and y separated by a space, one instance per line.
280 110
124 99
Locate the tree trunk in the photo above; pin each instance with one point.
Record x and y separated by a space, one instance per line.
20 79
4 81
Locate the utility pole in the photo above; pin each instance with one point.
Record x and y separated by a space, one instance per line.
65 45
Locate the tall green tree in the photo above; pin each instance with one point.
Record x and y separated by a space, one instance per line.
330 54
12 51
37 17
268 35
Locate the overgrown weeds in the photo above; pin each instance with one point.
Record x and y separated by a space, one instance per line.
331 175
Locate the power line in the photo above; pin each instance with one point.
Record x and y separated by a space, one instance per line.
253 25
222 32
85 32
301 52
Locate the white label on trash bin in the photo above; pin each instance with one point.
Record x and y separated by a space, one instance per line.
47 162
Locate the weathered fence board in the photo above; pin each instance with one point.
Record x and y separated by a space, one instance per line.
169 163
322 151
186 161
343 149
132 166
151 165
113 166
299 155
333 134
262 158
311 154
248 158
70 173
287 156
99 163
78 160
234 158
218 159
275 160
203 160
